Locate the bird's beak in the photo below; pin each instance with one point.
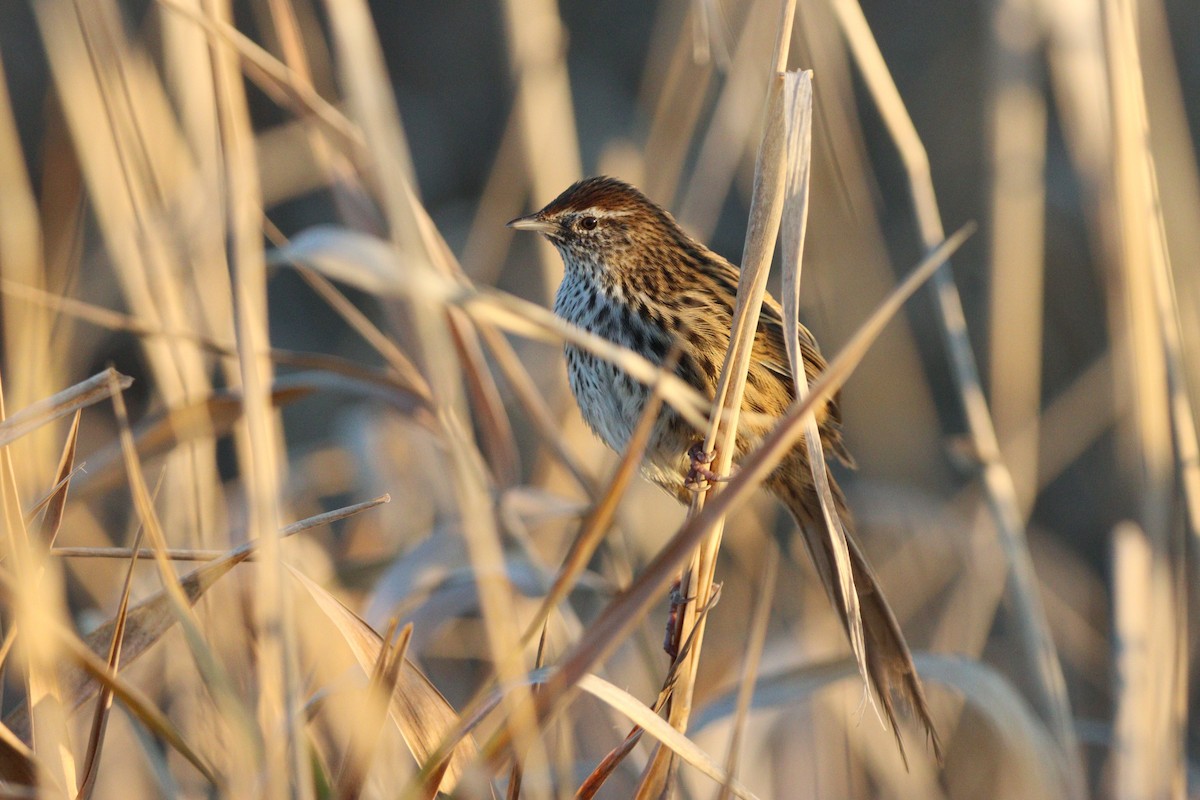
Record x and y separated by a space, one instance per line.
533 223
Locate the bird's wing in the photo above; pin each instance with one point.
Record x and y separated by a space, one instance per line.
770 353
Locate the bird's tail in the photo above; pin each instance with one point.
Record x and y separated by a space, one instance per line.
889 662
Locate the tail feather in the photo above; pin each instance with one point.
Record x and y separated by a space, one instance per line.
889 661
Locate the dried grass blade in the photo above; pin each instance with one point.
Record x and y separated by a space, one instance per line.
499 445
105 317
608 765
372 265
797 120
58 498
543 107
91 761
210 417
137 703
651 723
91 665
40 505
418 709
732 123
1017 199
241 553
365 328
1152 721
85 393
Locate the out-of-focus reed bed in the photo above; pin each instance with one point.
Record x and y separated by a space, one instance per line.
297 503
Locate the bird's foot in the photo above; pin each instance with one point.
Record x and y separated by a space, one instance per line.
673 638
699 476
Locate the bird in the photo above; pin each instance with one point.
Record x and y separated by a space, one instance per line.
633 276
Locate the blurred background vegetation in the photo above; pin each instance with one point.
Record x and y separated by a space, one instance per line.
127 166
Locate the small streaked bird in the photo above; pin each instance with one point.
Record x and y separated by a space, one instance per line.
634 277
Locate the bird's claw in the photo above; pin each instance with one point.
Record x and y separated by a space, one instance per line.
673 638
699 476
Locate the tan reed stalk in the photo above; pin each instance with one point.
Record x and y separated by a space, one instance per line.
696 583
1147 748
1151 721
285 757
1017 119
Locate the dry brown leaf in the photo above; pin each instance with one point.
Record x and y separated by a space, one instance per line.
421 714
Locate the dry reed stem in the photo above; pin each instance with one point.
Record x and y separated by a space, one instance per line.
36 602
242 551
1039 650
762 229
1146 753
285 757
1149 754
278 81
1017 118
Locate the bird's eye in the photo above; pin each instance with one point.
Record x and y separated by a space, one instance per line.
589 223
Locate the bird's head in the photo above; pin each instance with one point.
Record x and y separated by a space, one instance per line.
599 223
